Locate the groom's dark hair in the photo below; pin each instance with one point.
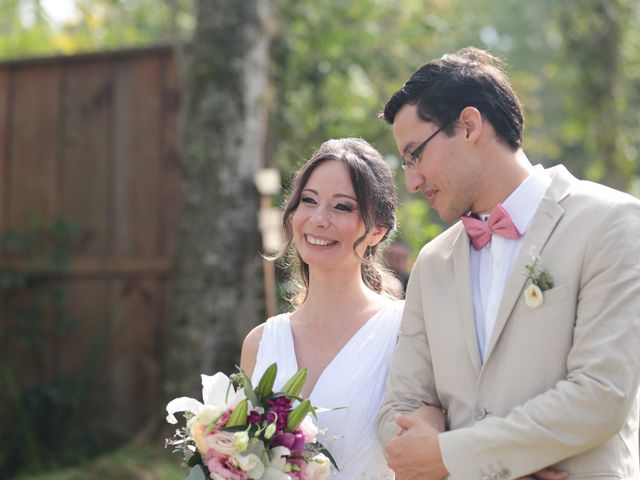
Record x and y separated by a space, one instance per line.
469 77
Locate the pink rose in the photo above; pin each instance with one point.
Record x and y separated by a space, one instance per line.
221 442
219 464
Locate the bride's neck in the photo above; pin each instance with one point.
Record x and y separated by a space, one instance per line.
337 296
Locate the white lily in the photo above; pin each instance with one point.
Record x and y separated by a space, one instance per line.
275 465
217 394
251 464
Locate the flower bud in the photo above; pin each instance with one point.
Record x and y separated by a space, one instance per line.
240 441
270 430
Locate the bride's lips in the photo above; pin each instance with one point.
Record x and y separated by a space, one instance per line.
319 241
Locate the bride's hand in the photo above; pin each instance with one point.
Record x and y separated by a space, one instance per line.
434 416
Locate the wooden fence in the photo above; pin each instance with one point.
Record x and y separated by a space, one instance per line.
94 138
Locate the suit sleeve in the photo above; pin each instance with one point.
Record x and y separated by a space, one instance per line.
594 401
410 383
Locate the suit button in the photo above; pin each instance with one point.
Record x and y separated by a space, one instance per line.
480 413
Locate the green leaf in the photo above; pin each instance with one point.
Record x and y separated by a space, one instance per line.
196 473
322 449
239 414
194 459
295 383
265 385
248 388
545 282
297 415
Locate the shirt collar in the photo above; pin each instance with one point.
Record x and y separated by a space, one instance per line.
524 200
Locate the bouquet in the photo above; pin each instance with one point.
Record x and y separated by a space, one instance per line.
241 432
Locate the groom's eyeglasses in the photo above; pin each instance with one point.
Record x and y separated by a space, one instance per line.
412 158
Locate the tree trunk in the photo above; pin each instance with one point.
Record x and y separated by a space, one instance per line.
218 291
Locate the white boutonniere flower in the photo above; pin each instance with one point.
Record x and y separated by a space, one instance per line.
538 280
533 297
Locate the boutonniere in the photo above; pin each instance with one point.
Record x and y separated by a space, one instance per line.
538 280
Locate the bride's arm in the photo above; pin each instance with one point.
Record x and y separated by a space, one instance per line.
434 416
250 350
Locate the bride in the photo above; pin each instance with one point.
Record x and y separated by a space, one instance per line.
343 329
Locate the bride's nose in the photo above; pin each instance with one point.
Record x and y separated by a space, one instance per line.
320 217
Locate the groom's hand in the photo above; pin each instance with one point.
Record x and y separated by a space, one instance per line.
415 452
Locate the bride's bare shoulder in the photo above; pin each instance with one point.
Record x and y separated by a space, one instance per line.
250 349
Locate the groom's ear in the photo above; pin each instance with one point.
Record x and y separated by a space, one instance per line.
471 122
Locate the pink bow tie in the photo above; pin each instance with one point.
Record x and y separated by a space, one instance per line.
499 223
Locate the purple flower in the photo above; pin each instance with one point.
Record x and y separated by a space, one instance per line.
293 441
254 417
280 407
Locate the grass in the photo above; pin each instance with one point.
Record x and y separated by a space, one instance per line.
128 463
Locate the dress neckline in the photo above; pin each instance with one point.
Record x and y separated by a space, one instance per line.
363 328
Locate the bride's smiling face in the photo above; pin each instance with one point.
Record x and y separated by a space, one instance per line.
327 223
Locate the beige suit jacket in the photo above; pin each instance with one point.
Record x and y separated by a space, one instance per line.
560 382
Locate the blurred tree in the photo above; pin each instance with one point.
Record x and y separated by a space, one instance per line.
574 64
595 32
335 64
218 281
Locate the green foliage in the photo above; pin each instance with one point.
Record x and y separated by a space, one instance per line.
416 224
129 463
334 64
29 29
28 294
36 427
574 65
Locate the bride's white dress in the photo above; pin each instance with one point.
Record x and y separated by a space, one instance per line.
354 379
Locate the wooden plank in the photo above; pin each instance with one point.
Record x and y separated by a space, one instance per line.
87 94
34 187
134 371
5 112
137 192
136 156
5 85
171 154
34 152
83 352
30 340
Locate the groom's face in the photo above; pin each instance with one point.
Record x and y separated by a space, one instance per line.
443 172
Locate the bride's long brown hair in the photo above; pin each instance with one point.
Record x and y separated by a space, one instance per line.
375 191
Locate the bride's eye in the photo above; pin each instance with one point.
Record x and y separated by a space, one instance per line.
343 207
308 200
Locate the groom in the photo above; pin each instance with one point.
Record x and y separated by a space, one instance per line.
522 320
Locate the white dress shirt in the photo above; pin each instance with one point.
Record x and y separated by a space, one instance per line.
491 265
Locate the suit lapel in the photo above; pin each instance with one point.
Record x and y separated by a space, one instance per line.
544 221
462 273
